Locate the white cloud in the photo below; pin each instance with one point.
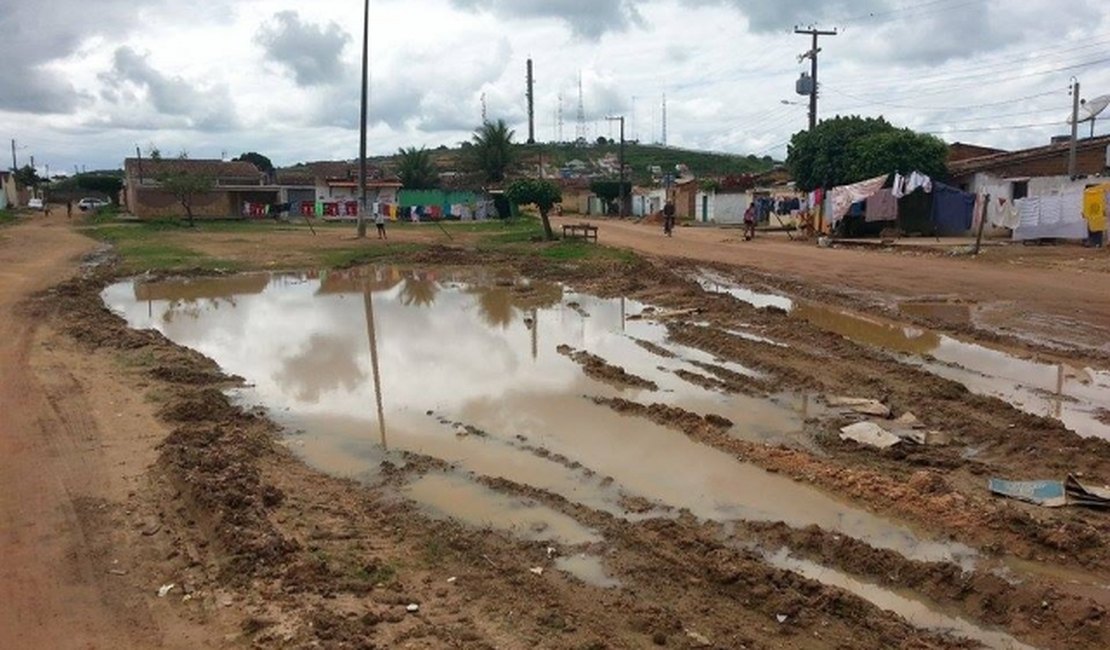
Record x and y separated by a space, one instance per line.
267 75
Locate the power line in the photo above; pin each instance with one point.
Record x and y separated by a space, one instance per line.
870 102
1011 127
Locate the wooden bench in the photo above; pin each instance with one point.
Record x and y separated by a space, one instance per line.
580 231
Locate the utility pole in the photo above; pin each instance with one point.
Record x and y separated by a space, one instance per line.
1072 162
812 56
15 165
531 106
362 121
620 118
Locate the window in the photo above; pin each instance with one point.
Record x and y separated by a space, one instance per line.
1019 190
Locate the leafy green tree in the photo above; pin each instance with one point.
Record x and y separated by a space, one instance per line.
416 169
186 187
258 160
610 191
108 185
493 149
850 149
539 192
27 176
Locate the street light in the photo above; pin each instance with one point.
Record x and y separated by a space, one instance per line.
620 118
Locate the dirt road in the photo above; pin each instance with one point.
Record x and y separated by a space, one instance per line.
68 463
1060 304
124 465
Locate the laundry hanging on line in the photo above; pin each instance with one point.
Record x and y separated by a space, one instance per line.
1054 216
844 196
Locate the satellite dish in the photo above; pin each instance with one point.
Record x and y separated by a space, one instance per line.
1091 108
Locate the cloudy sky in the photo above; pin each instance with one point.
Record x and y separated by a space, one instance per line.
83 82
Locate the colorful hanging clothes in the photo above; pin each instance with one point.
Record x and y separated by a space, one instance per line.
842 198
952 209
1094 207
1055 216
882 206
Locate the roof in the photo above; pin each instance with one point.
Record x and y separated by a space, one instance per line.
221 169
308 173
963 151
983 163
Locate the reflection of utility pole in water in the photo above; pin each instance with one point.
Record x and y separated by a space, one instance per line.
1058 406
368 301
535 335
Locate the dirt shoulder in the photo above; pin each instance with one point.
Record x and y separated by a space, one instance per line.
74 453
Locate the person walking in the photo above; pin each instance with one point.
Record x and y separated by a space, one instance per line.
668 218
749 222
69 209
379 220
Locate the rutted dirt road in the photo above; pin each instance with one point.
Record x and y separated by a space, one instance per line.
1060 294
124 466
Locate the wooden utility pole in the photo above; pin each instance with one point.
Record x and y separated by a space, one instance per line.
982 223
812 55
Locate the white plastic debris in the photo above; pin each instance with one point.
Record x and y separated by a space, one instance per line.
781 618
551 552
451 580
537 570
412 608
870 434
861 405
165 589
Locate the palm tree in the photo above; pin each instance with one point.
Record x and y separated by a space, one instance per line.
493 149
416 169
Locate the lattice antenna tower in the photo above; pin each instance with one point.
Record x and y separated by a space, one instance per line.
559 119
580 129
484 118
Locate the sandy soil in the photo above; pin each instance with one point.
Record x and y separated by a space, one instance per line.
123 467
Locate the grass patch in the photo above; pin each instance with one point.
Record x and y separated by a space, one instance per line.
347 257
7 216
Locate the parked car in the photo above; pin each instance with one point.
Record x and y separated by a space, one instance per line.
91 203
35 203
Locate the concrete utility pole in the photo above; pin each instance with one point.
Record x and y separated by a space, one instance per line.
15 165
1072 161
620 118
362 121
812 55
531 106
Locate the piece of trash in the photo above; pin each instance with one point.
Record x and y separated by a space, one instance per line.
118 572
551 552
165 589
451 580
700 639
1049 494
781 618
412 608
1086 495
911 435
910 420
870 434
537 570
186 598
861 405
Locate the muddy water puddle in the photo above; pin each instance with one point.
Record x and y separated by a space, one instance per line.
462 367
918 611
1074 396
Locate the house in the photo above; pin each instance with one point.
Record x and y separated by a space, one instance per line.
332 188
237 185
5 179
1033 172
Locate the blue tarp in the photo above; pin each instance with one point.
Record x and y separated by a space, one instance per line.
1042 493
952 209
